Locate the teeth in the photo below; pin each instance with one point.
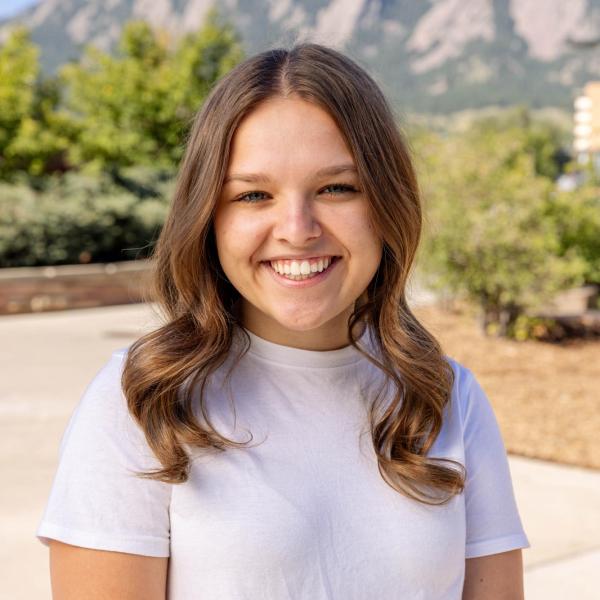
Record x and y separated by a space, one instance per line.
300 269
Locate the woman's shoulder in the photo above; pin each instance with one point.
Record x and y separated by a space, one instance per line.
116 360
469 398
101 424
97 499
463 376
102 405
105 385
110 371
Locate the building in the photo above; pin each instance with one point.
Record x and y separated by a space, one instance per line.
586 131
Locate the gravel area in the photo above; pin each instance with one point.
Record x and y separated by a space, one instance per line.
546 396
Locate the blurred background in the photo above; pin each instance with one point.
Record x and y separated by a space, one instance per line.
500 102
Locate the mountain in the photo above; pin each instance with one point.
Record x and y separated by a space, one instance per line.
428 55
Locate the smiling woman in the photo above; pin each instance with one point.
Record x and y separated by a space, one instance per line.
379 470
304 216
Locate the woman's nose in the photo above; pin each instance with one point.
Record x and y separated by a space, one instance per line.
295 221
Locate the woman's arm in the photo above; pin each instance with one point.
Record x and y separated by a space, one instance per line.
78 573
494 577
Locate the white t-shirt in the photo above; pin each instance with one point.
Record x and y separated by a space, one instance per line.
302 514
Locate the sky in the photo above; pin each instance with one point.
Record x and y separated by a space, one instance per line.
9 8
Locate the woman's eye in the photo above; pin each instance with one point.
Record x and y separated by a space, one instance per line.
250 197
334 188
339 188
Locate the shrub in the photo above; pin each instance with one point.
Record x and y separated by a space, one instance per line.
494 233
576 215
76 219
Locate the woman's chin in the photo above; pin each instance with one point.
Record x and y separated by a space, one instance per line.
300 325
295 318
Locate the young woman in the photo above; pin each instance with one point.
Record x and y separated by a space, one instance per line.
291 431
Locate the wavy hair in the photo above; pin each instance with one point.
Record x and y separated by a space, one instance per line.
200 306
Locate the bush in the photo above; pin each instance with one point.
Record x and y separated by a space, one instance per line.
78 219
121 118
136 106
495 231
108 110
577 218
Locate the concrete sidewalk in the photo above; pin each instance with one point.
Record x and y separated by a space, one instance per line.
48 360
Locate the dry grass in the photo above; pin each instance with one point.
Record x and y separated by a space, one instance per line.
546 397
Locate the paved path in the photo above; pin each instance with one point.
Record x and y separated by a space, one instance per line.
47 361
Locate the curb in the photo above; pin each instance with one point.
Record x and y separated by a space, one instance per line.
41 289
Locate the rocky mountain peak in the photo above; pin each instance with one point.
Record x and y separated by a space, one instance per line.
440 54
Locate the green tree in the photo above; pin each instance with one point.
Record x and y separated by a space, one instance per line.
492 235
576 215
44 135
82 218
135 107
18 73
33 137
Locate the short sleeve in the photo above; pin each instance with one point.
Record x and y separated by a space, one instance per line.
493 524
96 500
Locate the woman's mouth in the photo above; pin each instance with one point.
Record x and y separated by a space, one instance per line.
296 272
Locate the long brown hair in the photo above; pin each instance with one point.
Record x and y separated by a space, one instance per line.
165 367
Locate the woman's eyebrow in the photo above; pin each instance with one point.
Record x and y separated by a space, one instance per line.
262 178
336 170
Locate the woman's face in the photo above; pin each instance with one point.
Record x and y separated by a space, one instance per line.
291 205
